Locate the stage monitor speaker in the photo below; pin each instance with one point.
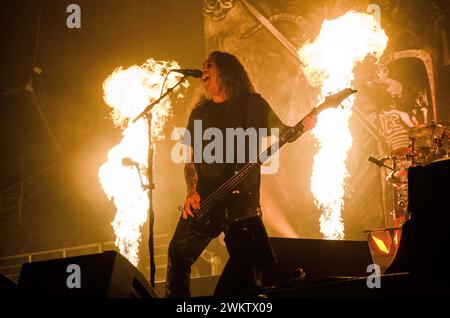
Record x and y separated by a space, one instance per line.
306 262
425 236
313 260
103 275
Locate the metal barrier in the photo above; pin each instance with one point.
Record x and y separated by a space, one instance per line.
10 266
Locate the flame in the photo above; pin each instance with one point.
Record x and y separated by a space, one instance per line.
329 63
128 92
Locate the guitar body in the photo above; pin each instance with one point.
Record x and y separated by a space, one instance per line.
210 220
209 223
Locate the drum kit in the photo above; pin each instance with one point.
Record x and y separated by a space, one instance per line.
428 143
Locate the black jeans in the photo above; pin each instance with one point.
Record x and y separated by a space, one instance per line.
185 248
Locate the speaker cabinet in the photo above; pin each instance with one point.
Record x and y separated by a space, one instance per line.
305 262
104 275
308 261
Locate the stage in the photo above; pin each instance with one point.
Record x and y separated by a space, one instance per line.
209 149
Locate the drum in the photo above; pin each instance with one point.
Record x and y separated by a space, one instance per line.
428 143
398 177
434 137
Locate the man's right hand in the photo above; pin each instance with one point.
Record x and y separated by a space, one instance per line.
192 201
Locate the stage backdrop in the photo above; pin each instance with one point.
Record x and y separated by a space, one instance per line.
395 94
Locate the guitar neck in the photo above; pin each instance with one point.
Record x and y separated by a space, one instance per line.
250 167
285 138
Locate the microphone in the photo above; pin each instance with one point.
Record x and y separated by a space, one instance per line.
128 162
189 72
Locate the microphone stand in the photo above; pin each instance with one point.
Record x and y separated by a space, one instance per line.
151 185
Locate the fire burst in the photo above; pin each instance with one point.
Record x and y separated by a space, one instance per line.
329 60
128 92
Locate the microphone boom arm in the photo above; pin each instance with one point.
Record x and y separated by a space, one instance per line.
149 107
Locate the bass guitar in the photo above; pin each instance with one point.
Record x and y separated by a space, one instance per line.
208 219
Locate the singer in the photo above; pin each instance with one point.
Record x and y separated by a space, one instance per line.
228 101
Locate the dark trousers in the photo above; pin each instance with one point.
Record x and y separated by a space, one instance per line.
186 247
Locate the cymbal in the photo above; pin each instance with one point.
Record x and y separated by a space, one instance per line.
402 152
429 129
421 131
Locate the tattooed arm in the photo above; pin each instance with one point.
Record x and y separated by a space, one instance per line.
191 177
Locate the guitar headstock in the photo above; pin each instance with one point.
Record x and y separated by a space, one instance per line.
334 100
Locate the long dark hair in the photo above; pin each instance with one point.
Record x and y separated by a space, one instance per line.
232 74
233 77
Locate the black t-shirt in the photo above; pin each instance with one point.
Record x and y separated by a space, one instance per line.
215 166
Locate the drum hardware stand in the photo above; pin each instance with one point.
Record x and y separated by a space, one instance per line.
446 134
151 185
380 162
410 156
